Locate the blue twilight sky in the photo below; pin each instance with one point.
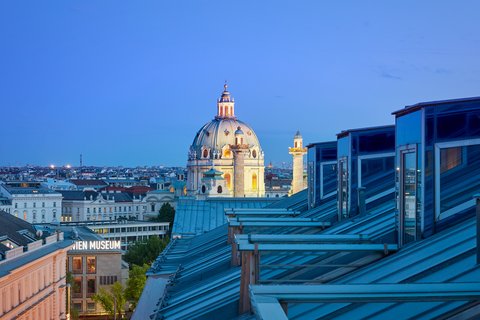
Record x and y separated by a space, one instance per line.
130 83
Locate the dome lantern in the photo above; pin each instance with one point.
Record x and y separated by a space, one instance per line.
225 104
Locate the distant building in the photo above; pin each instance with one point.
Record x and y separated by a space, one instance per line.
93 205
32 271
32 204
129 232
232 148
297 152
95 184
55 184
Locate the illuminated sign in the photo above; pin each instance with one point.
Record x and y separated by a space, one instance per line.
97 245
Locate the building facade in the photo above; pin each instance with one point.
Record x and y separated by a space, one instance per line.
94 263
231 147
92 205
32 272
33 204
129 232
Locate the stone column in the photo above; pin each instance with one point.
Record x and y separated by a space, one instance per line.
239 154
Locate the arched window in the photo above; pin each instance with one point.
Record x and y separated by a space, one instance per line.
254 153
295 144
219 189
228 180
227 153
204 189
205 153
254 182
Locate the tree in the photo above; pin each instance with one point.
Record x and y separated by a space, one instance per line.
135 283
141 253
166 214
112 300
74 314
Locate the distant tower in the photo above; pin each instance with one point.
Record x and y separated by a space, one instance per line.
240 150
297 153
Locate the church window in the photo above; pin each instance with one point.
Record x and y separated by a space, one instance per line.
254 182
227 153
205 153
228 180
219 189
254 153
296 144
204 189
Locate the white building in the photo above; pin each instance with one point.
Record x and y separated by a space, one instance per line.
129 232
101 206
34 205
232 148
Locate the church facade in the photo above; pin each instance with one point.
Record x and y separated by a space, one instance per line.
231 148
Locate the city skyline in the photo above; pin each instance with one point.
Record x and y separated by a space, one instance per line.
129 85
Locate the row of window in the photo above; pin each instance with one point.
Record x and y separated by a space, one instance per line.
78 263
25 205
34 214
130 229
77 288
79 306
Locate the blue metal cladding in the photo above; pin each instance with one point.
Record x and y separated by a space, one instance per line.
459 165
408 134
357 159
445 134
322 178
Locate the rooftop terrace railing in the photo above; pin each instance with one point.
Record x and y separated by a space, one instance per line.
271 302
250 247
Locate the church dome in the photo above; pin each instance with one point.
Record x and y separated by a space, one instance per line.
213 140
217 135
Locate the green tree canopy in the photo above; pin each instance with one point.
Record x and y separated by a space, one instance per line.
112 299
136 281
166 214
142 252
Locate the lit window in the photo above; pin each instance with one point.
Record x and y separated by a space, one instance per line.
228 180
77 265
450 158
91 264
